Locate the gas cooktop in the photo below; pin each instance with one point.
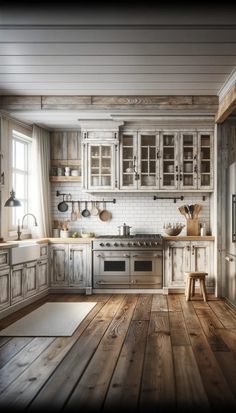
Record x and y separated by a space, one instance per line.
148 236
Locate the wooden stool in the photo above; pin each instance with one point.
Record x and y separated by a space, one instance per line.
191 277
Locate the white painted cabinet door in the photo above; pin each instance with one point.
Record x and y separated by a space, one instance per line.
177 261
202 259
17 283
43 274
181 256
31 279
59 265
4 288
77 265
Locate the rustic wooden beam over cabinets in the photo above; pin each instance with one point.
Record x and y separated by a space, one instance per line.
192 103
227 105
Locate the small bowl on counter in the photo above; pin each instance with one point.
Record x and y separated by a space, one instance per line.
173 229
87 235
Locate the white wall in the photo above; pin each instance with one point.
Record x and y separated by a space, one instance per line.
139 211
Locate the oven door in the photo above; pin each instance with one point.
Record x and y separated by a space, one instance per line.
146 269
111 269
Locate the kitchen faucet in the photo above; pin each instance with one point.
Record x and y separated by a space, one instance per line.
22 223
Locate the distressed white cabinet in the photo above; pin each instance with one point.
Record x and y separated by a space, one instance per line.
70 266
24 281
4 288
181 256
42 274
100 159
59 264
166 160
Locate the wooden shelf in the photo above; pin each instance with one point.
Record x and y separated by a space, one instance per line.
65 178
65 162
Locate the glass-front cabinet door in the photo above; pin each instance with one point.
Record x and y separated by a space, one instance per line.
205 160
148 160
101 166
169 165
129 174
188 161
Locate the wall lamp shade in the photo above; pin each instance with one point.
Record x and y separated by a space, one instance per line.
12 201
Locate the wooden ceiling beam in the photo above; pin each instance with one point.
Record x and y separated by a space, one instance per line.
227 105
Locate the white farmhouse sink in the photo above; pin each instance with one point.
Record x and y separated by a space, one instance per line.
24 252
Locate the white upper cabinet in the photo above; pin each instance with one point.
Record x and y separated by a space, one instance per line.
100 160
147 160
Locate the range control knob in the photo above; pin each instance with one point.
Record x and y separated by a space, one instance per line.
129 244
134 244
115 244
101 244
144 244
140 244
108 244
121 245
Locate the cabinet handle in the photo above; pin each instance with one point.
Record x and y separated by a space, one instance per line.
188 248
71 255
180 177
158 154
228 259
126 256
193 250
100 255
176 168
177 177
195 168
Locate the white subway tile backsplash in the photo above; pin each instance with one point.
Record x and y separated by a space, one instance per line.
137 210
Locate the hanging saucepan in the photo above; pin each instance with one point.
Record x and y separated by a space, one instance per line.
104 215
85 213
62 206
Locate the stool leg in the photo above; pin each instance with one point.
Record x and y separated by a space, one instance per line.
188 289
203 288
193 287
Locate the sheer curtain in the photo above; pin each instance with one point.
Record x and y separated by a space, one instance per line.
40 183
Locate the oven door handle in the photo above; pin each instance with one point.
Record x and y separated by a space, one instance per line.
100 256
147 256
113 283
136 282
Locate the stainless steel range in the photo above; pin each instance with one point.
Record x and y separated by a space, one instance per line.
135 261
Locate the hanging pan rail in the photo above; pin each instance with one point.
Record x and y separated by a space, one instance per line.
58 193
168 197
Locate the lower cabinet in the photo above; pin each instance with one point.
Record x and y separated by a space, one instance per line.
24 281
43 274
70 266
181 256
4 288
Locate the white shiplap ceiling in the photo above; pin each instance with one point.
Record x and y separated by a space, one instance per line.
116 50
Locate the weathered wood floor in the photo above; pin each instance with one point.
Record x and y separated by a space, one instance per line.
132 353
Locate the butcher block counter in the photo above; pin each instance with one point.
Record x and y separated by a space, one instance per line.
189 238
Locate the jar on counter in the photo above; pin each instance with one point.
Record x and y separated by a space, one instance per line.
203 230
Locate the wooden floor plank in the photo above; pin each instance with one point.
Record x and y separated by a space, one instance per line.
228 336
12 347
159 303
174 302
190 393
22 360
227 363
218 393
223 314
123 392
91 390
190 317
158 382
143 308
178 332
61 384
210 324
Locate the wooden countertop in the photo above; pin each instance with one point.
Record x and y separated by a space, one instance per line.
12 244
189 238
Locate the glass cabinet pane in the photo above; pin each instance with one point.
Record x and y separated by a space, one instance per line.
188 168
128 159
205 160
100 165
168 168
148 164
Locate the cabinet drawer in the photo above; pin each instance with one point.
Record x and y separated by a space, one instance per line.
4 258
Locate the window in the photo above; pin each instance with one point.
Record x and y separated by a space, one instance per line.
21 146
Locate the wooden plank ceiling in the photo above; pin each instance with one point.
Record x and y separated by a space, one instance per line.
115 51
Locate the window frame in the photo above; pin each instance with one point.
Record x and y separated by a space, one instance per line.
18 136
